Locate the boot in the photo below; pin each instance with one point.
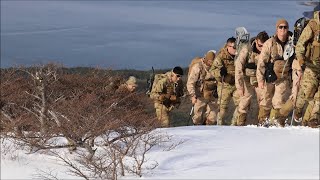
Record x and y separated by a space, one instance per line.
263 116
313 123
242 119
221 116
274 116
297 114
286 108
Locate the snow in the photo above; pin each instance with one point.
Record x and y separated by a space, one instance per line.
207 152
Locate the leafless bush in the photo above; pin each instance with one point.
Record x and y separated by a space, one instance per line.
45 109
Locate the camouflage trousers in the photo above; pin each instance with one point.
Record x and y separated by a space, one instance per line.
275 94
205 111
228 92
162 113
295 92
309 93
245 100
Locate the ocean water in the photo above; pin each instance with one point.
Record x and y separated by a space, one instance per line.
130 34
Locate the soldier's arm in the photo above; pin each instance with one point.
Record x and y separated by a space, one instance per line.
239 67
305 36
193 79
263 58
215 68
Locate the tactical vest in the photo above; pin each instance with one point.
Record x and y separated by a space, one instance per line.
227 61
281 66
250 66
313 48
207 85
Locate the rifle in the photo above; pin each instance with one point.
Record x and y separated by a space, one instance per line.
150 82
190 114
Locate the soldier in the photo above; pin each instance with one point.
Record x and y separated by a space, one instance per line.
245 75
166 92
308 54
129 86
272 75
202 88
223 70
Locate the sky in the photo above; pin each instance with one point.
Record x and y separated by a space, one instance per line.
130 34
207 152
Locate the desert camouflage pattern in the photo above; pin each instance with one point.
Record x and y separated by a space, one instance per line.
274 94
201 84
248 54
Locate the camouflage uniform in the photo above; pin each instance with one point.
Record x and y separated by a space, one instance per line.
311 77
275 93
245 79
225 59
202 85
164 87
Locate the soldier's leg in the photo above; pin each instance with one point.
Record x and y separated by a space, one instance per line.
309 86
244 103
265 103
288 106
224 100
162 114
199 110
312 114
212 112
280 96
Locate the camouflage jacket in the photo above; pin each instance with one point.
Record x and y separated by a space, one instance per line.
248 54
163 86
223 59
198 74
309 37
272 50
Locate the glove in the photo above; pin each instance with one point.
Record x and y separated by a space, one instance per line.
173 98
251 66
223 71
301 61
164 97
229 79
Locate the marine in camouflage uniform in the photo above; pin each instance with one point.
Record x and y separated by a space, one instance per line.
310 38
245 75
166 92
129 86
201 86
272 75
223 69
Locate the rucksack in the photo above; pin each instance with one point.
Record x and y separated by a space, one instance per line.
193 62
242 38
299 25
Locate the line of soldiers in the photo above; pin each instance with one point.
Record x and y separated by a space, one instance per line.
259 69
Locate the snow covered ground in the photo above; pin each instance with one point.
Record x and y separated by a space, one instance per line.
208 152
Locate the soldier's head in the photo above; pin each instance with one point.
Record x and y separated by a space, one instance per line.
282 28
131 83
260 39
176 74
231 46
209 57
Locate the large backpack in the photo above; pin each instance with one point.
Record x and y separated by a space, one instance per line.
242 38
193 62
299 25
